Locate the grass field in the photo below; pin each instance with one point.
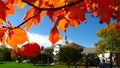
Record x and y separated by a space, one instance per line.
27 65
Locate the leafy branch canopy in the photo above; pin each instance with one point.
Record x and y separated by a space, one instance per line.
62 13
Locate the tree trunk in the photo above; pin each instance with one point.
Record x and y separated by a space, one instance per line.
75 65
68 65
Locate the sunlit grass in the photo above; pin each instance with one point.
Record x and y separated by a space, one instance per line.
29 65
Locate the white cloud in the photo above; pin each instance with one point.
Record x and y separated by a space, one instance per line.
40 39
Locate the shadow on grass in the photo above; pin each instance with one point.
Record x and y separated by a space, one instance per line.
2 62
43 65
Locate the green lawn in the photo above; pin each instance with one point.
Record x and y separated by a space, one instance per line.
27 65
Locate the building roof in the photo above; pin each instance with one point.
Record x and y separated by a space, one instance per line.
89 50
67 44
73 44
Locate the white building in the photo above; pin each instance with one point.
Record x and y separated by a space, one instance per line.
64 43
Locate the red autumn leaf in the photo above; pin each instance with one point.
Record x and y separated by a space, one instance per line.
36 19
105 11
95 13
51 15
30 50
3 9
2 33
54 35
76 14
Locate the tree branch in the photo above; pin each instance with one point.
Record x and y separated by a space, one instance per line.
28 19
41 9
52 8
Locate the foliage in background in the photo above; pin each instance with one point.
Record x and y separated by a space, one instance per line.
5 53
69 55
109 39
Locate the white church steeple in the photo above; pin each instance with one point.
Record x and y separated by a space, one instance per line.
64 41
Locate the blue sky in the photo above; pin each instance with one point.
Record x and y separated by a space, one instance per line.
84 34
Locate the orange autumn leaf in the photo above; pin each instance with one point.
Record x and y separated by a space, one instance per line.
74 23
12 44
34 20
1 21
29 14
62 23
28 24
54 35
57 3
16 36
3 41
11 8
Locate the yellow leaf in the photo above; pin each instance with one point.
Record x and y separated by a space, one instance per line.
20 4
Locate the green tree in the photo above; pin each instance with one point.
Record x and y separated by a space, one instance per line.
110 38
5 53
69 55
42 58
